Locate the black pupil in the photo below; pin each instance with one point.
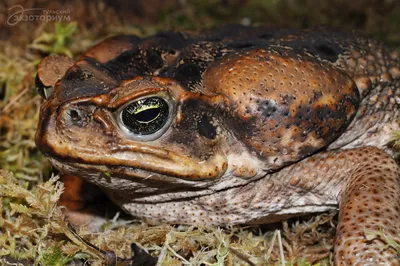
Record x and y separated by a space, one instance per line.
148 115
145 116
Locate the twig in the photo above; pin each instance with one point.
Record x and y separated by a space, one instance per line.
13 101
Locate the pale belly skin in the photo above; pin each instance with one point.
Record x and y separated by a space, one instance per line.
299 123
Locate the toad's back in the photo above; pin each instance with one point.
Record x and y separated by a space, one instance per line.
234 125
373 67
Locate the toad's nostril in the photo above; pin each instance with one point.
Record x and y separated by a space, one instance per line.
74 115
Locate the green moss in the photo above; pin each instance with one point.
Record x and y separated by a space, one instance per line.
56 42
54 257
396 140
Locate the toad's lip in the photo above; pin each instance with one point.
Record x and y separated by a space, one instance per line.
137 185
119 160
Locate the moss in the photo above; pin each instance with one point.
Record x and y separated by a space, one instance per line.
396 140
34 228
54 256
56 42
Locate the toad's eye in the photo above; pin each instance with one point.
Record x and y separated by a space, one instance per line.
145 116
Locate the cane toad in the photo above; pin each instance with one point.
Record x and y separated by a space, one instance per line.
236 125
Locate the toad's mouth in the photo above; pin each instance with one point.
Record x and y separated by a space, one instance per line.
131 161
137 185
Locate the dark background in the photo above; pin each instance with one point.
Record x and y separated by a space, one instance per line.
379 18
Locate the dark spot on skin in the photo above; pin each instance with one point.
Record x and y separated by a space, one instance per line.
326 50
326 112
154 60
328 122
205 128
287 99
187 70
319 46
268 108
188 74
317 95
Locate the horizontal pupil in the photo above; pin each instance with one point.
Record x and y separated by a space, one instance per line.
148 115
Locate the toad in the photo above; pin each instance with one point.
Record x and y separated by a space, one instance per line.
236 125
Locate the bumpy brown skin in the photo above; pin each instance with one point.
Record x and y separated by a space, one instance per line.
264 124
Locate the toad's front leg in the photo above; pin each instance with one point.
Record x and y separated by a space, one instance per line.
366 184
369 201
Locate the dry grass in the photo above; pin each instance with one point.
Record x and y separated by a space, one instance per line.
31 222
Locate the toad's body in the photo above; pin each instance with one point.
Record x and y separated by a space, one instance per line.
232 126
